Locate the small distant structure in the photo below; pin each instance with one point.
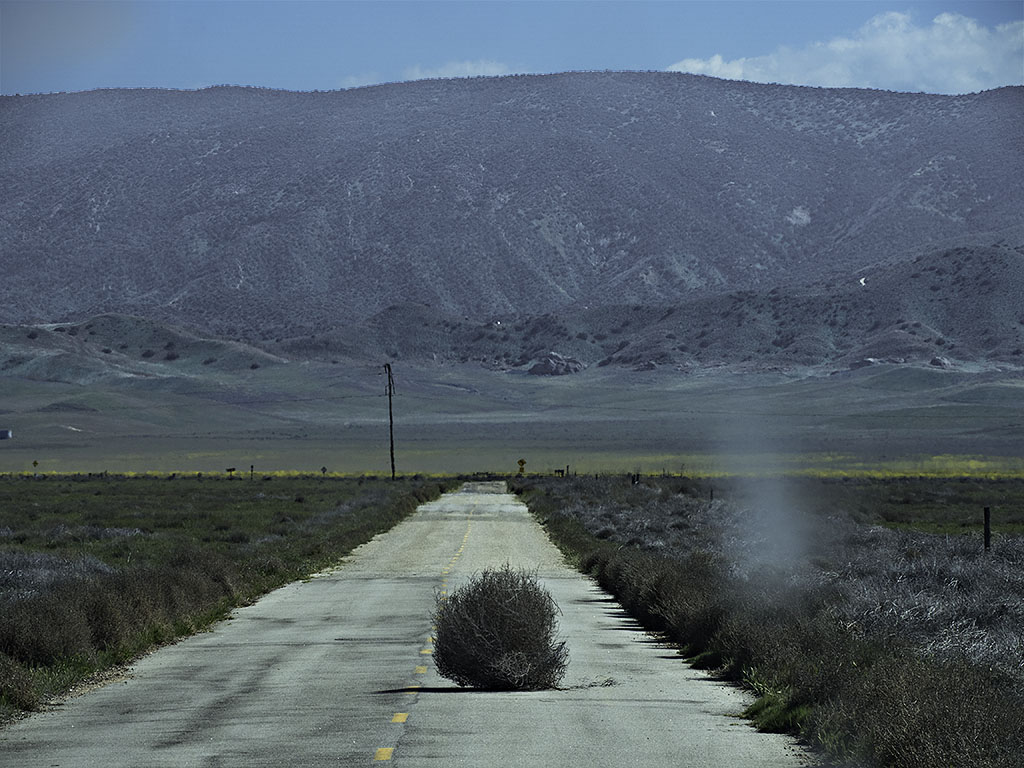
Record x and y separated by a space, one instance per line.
6 434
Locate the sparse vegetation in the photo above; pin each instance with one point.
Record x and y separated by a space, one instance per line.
711 239
96 569
498 632
900 647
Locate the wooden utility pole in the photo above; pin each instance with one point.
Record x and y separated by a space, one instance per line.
391 416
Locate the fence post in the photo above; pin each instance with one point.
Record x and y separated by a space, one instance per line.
988 529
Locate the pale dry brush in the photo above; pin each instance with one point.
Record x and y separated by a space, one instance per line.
498 631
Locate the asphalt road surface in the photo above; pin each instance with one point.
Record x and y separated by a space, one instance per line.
336 671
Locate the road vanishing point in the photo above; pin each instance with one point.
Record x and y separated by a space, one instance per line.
336 671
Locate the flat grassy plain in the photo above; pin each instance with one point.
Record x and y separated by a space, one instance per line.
936 503
865 614
893 420
95 570
844 534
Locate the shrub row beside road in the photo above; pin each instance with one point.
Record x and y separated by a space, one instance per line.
883 647
96 570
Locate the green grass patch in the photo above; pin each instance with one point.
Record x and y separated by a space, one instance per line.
946 506
775 712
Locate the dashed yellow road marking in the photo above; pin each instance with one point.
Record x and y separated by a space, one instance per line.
386 753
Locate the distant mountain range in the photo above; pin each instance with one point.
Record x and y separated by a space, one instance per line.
964 305
628 219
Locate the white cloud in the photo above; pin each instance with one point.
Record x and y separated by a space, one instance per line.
458 69
952 54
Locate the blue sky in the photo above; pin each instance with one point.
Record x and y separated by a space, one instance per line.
940 47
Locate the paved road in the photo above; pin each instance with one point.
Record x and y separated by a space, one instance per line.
336 671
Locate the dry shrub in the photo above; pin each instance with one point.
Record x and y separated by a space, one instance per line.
66 613
896 648
16 690
45 628
498 632
906 711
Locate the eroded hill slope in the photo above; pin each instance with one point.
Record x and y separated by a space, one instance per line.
265 214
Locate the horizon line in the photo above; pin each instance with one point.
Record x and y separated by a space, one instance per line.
385 83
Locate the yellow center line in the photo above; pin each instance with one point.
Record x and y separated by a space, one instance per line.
386 753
